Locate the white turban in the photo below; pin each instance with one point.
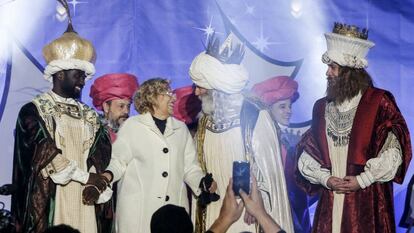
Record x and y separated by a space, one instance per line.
209 73
68 64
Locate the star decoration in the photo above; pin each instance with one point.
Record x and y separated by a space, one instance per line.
262 42
250 9
208 30
74 3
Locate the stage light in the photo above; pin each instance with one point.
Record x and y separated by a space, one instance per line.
296 8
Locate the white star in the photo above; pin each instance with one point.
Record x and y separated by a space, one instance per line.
262 42
250 9
74 3
208 30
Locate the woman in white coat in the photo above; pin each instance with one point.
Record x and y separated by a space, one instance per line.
153 158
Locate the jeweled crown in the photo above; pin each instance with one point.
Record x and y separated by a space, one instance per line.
228 53
350 30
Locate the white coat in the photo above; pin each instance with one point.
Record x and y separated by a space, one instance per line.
153 169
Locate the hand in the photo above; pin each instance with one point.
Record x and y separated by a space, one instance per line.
255 207
249 219
90 195
253 202
335 183
108 175
213 187
231 210
350 184
99 181
207 182
208 187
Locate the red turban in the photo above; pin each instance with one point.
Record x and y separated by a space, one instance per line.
111 87
277 88
187 105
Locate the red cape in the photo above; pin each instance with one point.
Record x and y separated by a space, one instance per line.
370 209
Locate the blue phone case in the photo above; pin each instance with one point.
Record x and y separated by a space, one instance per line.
241 177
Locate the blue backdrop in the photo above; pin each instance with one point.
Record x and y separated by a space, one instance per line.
161 37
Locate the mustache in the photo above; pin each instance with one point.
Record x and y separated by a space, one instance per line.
124 116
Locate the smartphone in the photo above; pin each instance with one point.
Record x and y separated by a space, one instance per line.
241 177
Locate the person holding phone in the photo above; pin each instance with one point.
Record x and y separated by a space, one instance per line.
235 127
232 209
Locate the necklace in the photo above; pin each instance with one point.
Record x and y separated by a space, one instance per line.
339 124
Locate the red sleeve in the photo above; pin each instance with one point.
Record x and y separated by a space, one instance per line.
391 120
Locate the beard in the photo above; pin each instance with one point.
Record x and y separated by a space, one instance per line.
348 84
342 88
333 88
116 123
207 105
122 119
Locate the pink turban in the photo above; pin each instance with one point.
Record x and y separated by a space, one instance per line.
277 88
111 87
187 105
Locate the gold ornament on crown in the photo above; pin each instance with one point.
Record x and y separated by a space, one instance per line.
70 45
350 30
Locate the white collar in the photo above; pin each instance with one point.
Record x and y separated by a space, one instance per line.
62 99
349 104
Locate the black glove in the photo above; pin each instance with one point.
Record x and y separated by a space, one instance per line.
206 197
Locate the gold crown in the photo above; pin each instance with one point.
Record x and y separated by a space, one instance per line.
350 30
69 46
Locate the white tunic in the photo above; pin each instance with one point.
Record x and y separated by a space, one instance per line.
222 148
74 136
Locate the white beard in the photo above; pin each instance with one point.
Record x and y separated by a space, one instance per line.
220 106
207 105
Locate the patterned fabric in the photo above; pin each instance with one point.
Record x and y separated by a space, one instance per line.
339 123
34 203
49 108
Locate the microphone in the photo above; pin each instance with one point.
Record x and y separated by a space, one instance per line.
7 189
